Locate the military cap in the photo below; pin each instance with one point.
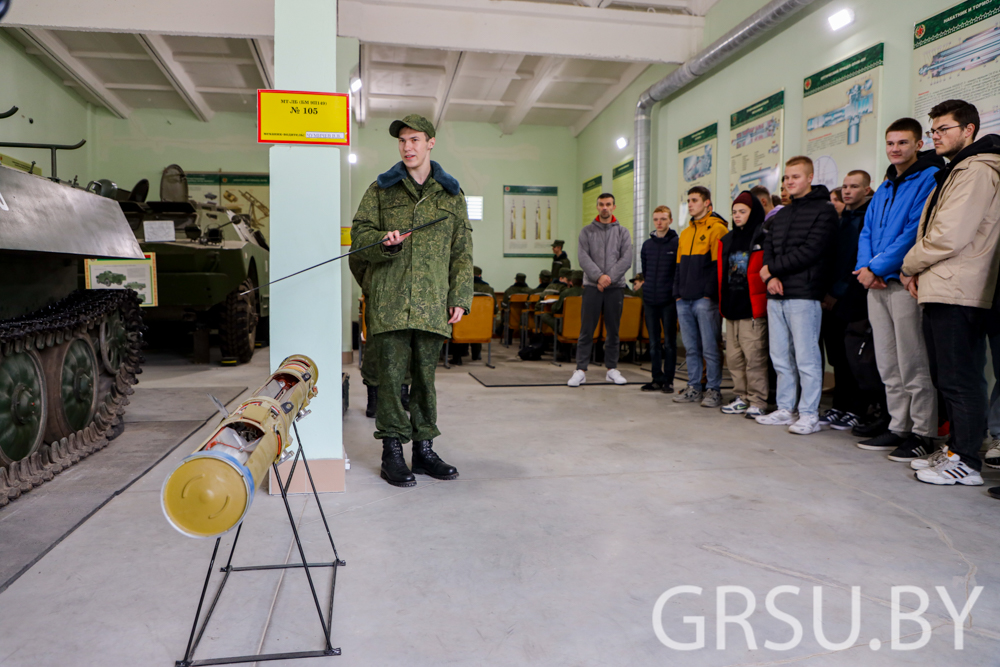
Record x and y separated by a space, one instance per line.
476 271
638 276
565 273
520 277
545 273
414 122
558 242
575 275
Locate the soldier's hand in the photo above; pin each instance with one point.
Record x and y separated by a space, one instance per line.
393 238
456 315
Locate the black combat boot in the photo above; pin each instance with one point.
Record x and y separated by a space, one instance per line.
427 462
372 401
404 396
394 468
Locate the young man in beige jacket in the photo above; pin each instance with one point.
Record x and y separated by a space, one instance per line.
952 272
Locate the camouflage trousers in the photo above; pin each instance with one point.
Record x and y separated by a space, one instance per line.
399 352
369 363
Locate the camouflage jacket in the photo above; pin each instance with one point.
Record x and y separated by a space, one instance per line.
413 285
559 263
555 287
515 289
568 292
359 268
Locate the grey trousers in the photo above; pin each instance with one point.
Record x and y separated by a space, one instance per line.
610 302
901 355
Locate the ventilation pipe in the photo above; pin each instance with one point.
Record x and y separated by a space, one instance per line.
750 31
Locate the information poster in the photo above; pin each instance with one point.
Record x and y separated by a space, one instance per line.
531 220
696 155
623 188
841 121
302 117
21 165
591 189
239 192
955 56
134 274
755 147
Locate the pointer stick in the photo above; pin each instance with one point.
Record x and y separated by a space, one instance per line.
370 245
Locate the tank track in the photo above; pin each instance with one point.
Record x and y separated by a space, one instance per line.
82 312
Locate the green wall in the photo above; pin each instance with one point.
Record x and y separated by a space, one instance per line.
59 115
484 160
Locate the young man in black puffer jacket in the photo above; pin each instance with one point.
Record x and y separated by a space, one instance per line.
659 262
796 275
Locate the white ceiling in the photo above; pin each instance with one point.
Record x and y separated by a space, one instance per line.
486 72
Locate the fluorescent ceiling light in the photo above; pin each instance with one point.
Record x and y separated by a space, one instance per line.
352 158
622 142
355 85
844 17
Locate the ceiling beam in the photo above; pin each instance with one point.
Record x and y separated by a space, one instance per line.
560 105
105 55
153 87
400 96
601 81
547 69
609 96
453 70
158 49
262 51
482 103
516 26
217 18
52 47
492 74
406 68
212 59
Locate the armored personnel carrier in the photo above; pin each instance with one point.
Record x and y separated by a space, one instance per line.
68 357
205 264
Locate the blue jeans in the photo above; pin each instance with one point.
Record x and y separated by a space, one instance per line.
701 326
793 327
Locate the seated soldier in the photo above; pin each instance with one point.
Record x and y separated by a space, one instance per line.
575 289
558 285
636 286
544 280
520 286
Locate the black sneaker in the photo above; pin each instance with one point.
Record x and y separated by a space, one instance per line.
651 386
871 429
844 421
668 388
914 447
886 442
994 492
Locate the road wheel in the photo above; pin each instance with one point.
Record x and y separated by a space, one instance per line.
114 342
71 381
238 327
23 406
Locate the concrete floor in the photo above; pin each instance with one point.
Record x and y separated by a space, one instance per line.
574 512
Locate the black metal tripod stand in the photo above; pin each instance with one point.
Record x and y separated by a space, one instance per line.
326 622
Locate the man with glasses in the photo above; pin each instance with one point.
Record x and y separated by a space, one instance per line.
888 233
952 272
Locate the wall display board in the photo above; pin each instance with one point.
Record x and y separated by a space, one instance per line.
239 192
591 189
302 117
623 188
840 113
755 157
531 220
696 156
135 274
956 55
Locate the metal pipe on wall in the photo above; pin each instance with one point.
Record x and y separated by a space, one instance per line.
772 15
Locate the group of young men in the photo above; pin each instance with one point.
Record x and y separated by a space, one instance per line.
909 270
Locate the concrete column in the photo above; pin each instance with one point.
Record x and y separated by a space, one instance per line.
305 230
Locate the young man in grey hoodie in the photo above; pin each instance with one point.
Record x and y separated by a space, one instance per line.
605 254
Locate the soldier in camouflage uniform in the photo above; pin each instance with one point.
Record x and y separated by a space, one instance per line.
636 289
557 286
420 286
544 280
560 259
520 286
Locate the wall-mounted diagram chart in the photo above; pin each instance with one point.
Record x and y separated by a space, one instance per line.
755 156
531 220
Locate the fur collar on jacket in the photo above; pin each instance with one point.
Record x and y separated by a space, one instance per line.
398 173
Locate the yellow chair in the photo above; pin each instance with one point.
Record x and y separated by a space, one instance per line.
476 327
512 315
570 321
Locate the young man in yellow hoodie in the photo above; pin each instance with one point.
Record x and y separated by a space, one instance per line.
696 289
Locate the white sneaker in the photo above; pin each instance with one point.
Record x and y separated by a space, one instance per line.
737 407
778 418
579 377
753 413
805 425
950 471
935 459
614 376
993 455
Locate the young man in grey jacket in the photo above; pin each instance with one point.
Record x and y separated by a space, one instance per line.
605 254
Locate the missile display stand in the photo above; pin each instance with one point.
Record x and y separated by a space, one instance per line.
325 621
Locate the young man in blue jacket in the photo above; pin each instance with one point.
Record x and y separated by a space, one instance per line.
890 230
659 262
